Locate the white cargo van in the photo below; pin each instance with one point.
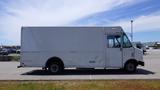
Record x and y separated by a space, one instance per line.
57 48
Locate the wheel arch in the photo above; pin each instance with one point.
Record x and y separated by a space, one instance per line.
131 60
54 59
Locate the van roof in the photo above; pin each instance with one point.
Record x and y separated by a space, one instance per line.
108 30
106 27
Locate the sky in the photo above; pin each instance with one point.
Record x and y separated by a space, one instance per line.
17 13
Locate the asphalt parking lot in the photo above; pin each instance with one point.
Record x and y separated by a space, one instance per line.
151 70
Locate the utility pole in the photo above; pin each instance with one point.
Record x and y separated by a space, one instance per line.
132 30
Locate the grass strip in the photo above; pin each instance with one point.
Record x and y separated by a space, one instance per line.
82 85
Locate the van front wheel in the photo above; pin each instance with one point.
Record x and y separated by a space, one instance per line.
130 67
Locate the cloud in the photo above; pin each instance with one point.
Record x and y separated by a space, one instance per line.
17 13
142 23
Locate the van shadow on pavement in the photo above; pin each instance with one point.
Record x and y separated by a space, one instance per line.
91 72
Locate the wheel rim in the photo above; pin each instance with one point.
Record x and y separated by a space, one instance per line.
130 67
54 68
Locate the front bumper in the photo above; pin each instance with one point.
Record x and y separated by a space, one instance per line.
21 65
141 63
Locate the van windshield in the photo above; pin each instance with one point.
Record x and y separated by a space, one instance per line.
126 42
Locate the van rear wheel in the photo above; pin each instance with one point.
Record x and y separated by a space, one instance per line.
55 68
130 67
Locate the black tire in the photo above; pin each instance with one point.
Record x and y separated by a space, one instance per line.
55 68
130 67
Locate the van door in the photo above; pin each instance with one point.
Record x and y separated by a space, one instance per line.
128 50
114 51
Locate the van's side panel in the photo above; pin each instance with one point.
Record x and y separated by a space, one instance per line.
77 47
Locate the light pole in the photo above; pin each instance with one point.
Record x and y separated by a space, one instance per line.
132 30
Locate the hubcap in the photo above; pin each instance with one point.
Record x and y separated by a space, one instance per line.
54 68
130 67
